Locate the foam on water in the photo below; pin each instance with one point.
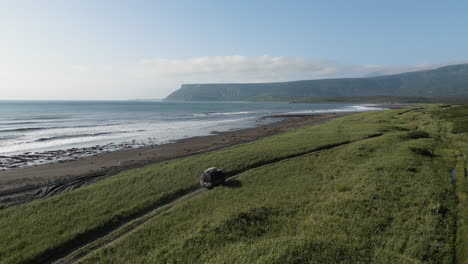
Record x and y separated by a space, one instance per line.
27 127
352 108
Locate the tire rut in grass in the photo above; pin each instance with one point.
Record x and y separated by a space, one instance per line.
121 231
96 240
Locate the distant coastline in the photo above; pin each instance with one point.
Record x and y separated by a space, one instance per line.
445 82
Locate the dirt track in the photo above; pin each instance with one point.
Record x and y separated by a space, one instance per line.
27 184
75 254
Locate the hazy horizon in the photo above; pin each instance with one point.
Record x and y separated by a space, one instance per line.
126 50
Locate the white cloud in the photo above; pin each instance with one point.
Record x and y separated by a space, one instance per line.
236 64
264 68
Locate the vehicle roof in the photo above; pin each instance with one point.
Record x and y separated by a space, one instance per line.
210 169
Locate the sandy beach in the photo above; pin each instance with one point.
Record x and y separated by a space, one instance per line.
25 184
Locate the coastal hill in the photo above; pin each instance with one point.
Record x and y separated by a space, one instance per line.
448 81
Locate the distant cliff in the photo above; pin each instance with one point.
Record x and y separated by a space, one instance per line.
449 81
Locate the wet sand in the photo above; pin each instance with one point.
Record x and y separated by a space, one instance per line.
25 184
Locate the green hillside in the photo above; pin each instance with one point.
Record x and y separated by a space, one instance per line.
449 81
366 188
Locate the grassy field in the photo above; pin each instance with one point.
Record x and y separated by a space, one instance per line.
33 232
458 141
385 199
360 203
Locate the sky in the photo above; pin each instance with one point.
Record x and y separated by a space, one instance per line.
136 49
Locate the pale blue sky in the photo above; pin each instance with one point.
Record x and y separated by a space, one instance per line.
146 49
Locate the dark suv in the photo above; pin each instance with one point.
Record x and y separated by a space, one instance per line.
212 177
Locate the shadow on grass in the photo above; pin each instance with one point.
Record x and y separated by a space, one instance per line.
233 184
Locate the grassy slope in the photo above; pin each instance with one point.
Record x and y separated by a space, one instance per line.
32 232
459 143
373 201
377 200
449 81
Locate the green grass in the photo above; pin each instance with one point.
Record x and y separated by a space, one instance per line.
386 199
458 116
373 201
462 212
458 142
32 232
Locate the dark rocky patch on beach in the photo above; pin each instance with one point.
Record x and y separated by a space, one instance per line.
73 168
28 159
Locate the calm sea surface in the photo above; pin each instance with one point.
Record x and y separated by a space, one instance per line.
38 126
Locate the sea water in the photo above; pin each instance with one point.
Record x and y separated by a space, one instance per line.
39 126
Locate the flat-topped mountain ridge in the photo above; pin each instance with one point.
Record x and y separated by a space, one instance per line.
448 81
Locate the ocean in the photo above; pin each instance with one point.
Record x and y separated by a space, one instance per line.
38 132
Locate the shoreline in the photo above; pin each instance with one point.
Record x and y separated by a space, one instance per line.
25 157
25 184
33 157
